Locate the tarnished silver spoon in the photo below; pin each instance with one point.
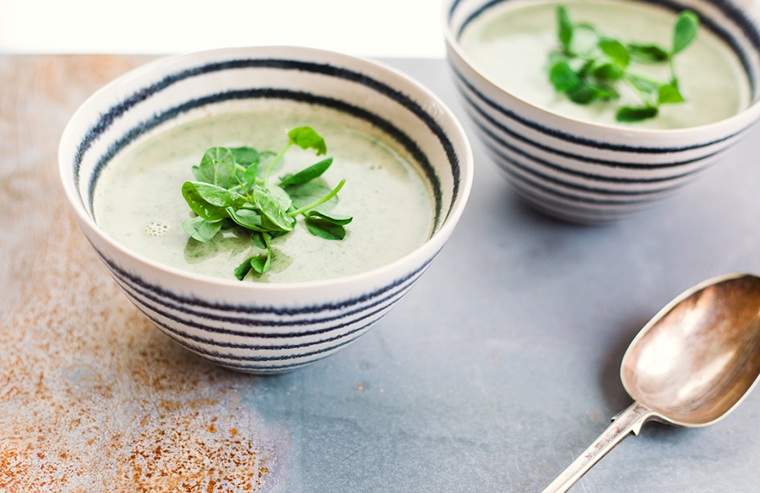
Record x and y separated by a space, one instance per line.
691 365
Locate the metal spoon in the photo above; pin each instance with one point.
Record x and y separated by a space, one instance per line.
691 365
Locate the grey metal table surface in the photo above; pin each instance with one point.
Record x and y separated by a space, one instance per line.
498 368
502 364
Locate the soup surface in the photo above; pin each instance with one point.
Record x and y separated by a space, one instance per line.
510 44
138 201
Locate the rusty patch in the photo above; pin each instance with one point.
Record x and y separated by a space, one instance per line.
92 397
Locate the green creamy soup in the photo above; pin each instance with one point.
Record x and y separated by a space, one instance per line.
510 44
138 201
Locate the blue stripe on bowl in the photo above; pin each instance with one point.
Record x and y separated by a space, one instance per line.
602 163
583 141
537 193
502 144
144 295
253 347
259 309
119 109
735 14
649 194
217 356
567 195
274 334
277 323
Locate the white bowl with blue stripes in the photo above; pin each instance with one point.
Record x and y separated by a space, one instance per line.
588 172
248 326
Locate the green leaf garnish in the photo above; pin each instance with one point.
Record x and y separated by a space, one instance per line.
608 72
261 263
247 218
309 192
590 75
217 167
564 29
669 94
245 156
635 113
233 195
206 200
201 229
643 84
616 51
685 31
647 53
563 77
328 230
243 269
306 174
307 138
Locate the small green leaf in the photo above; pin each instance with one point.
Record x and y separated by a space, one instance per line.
307 193
563 77
616 51
281 197
245 155
248 177
273 217
606 92
564 29
206 200
258 240
247 218
325 229
333 218
262 262
201 229
648 53
307 138
685 30
306 174
630 114
669 94
608 72
643 84
217 167
586 69
584 94
243 269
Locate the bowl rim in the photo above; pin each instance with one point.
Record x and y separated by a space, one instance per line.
742 119
439 237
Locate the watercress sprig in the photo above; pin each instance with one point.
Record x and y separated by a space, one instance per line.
593 72
232 189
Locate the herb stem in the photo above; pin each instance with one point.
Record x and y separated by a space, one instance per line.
332 193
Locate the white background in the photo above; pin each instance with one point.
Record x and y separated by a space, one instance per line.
409 28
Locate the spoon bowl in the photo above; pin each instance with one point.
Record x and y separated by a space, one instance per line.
697 358
691 365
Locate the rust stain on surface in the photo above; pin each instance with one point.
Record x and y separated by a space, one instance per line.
92 397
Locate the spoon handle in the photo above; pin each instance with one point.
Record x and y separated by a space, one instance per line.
629 421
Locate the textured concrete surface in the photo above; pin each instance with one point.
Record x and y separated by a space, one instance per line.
492 375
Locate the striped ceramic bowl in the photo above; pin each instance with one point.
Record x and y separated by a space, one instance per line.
588 172
255 327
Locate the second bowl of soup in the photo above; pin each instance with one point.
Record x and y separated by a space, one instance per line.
568 96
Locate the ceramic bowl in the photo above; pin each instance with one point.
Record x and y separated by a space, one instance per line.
587 172
248 326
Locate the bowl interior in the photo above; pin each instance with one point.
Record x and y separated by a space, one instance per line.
173 91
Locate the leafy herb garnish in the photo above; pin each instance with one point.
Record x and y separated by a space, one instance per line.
586 74
232 189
